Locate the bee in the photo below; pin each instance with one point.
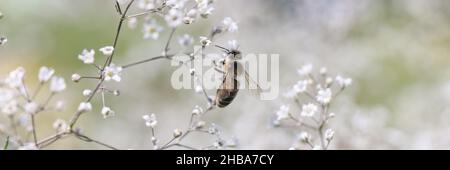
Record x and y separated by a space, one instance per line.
231 69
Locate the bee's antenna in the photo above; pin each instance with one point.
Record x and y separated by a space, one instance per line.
223 48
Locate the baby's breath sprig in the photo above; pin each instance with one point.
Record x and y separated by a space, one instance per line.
312 96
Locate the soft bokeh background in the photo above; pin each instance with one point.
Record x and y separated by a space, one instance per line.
397 53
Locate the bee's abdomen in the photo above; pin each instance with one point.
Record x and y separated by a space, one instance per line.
225 100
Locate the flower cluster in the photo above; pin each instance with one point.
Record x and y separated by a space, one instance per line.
196 125
20 104
312 96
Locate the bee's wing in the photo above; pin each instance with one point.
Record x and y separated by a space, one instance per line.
251 84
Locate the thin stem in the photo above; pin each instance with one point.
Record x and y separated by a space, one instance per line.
33 126
88 139
116 38
144 61
5 147
37 90
166 48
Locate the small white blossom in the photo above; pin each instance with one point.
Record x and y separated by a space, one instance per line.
45 74
76 78
31 107
174 18
150 120
197 110
230 25
200 125
132 23
204 41
331 115
107 50
87 56
87 92
107 112
60 125
147 4
323 71
85 107
15 78
305 70
59 106
329 134
308 110
10 108
282 113
177 133
304 137
233 44
57 84
301 86
328 81
343 82
185 40
112 72
198 89
151 29
324 96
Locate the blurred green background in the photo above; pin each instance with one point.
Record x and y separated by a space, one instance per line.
397 53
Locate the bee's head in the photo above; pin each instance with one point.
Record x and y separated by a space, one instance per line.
236 54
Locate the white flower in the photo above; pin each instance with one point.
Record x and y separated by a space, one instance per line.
282 113
323 71
45 74
59 125
174 18
329 134
304 137
87 56
10 108
343 82
3 40
85 107
190 17
308 110
233 44
230 25
146 4
198 89
107 50
204 41
197 110
151 29
57 84
305 70
112 72
177 133
204 7
185 40
87 92
331 115
177 4
15 78
76 78
132 23
107 112
150 120
59 106
31 107
28 146
324 96
301 86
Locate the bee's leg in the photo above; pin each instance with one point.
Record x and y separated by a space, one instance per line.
219 70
